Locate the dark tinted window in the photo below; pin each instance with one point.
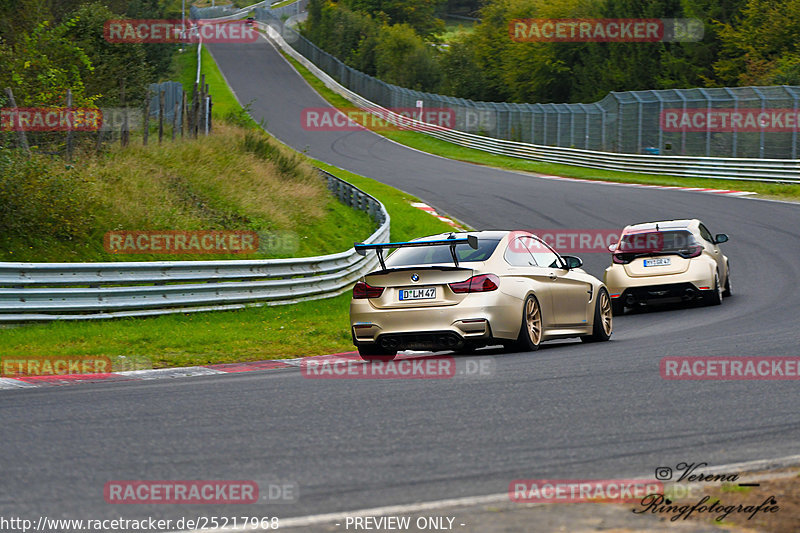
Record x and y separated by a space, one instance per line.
428 255
704 233
655 243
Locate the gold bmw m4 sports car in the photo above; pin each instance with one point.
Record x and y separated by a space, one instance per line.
670 259
461 291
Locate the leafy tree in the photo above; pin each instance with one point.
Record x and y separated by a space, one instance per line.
41 65
402 57
419 14
114 63
760 46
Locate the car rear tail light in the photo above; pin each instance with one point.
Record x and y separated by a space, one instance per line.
694 251
482 283
620 259
362 290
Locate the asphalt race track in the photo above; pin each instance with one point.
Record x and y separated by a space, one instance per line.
568 411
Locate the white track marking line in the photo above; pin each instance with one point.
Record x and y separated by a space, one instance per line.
11 383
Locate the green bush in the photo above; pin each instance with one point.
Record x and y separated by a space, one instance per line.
40 202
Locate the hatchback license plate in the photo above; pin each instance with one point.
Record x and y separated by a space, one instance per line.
657 262
422 293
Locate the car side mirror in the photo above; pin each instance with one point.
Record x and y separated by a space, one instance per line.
612 247
570 262
720 238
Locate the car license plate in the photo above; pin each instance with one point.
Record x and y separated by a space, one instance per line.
421 293
657 262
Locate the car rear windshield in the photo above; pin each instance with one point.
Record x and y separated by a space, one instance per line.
655 243
429 255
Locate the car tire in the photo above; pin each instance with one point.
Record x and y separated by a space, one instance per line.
715 297
617 307
530 331
727 291
468 349
603 321
375 353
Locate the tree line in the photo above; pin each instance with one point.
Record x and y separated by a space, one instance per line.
48 47
745 42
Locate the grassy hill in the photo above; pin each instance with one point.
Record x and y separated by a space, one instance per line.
235 179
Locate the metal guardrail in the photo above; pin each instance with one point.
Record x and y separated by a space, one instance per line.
80 291
747 169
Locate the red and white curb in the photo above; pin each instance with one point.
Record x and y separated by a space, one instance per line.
723 192
29 382
428 209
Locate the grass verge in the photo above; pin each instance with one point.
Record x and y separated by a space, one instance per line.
429 144
235 179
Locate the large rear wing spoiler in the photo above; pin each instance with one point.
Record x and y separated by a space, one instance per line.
471 240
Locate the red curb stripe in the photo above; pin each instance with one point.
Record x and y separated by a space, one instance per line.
67 379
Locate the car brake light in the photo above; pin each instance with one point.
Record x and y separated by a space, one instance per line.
694 251
362 290
482 283
619 259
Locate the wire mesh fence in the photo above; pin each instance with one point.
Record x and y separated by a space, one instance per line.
739 122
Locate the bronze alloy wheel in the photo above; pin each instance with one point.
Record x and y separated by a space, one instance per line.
603 318
533 321
605 312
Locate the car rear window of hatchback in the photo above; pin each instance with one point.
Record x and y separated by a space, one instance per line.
655 243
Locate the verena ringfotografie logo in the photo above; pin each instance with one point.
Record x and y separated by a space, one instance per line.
730 120
173 31
356 119
181 242
54 366
566 241
582 490
50 119
605 30
730 368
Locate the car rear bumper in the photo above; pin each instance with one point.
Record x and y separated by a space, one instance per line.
695 282
683 291
436 328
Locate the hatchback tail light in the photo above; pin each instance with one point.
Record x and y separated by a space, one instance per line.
362 290
694 251
620 259
481 283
